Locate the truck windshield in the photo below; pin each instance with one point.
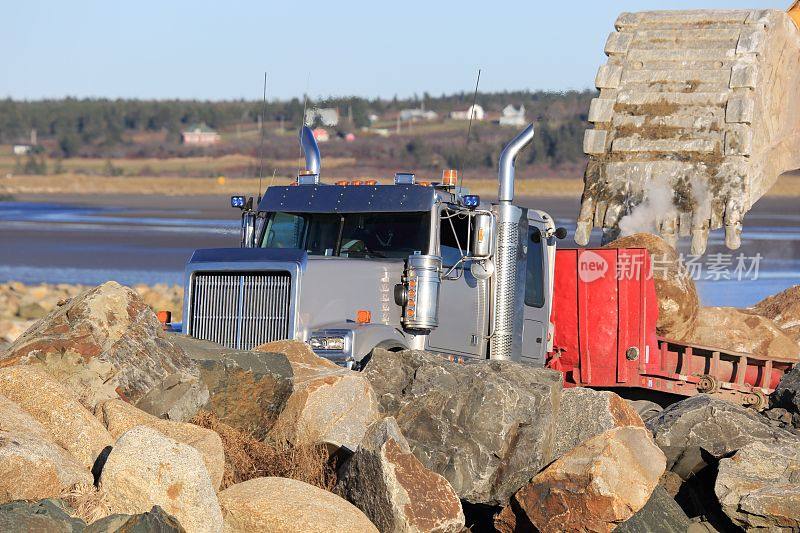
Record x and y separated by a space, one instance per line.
381 235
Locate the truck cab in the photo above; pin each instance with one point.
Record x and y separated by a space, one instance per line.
356 265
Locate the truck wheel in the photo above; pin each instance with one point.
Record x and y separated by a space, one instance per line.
645 408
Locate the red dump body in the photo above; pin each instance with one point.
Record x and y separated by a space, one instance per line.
605 311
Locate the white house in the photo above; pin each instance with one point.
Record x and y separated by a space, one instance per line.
476 112
328 116
409 115
22 149
512 116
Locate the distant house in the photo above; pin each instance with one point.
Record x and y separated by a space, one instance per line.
22 149
512 116
410 115
476 112
199 135
327 116
321 135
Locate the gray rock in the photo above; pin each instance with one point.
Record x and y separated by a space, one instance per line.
178 397
154 521
787 395
43 516
394 490
704 425
584 413
759 487
487 427
661 514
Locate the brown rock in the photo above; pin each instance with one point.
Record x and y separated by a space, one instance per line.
594 487
783 309
32 468
145 468
52 405
281 505
742 331
584 413
15 419
119 417
678 302
103 343
391 486
178 397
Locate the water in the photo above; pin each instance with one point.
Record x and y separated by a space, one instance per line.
66 243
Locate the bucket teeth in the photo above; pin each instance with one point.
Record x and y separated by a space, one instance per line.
698 114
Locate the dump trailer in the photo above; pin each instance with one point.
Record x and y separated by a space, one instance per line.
698 115
356 266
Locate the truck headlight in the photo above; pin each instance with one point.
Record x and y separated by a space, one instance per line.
333 344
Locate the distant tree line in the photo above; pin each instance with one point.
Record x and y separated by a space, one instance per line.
76 123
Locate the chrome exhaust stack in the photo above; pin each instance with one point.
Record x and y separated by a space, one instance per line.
506 341
311 151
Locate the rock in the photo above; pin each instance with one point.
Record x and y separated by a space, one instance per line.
584 413
15 419
787 395
54 407
282 505
10 330
661 513
247 390
119 417
103 343
739 330
329 404
784 310
487 427
154 521
678 302
145 468
394 490
178 397
32 468
594 487
46 516
758 487
699 425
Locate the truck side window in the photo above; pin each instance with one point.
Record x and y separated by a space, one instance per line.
534 272
284 230
450 240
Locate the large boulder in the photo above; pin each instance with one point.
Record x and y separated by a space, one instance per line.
145 468
783 309
787 396
15 419
55 407
739 330
758 487
46 516
584 413
248 390
594 487
179 397
661 513
391 486
678 302
487 427
32 468
282 505
154 521
700 426
119 417
328 404
104 343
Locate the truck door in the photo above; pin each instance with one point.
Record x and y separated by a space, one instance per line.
463 299
538 288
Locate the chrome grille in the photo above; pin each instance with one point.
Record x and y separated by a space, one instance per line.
240 310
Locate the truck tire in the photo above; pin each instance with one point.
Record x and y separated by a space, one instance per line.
645 408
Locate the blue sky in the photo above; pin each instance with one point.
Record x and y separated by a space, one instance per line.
219 50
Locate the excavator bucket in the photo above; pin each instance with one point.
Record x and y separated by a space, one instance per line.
698 115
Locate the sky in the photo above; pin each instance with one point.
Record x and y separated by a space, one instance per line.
220 50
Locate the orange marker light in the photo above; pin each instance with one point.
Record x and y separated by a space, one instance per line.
363 316
356 182
341 182
371 182
449 177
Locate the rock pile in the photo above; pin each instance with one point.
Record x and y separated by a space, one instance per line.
107 424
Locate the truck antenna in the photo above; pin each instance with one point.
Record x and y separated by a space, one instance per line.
261 143
469 128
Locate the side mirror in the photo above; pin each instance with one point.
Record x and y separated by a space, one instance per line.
481 245
248 229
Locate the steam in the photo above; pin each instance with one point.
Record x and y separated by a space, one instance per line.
657 206
702 199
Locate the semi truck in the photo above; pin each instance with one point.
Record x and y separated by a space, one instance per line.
355 266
